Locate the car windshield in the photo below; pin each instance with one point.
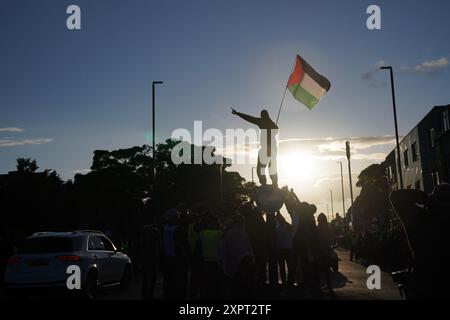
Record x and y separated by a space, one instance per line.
47 245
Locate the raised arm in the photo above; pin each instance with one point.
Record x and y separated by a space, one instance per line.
247 117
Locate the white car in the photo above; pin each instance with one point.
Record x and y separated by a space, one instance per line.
43 259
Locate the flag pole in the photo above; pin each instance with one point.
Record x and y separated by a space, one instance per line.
281 104
284 94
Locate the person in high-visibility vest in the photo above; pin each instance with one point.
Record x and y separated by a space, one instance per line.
209 244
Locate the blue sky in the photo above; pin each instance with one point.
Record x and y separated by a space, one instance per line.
71 92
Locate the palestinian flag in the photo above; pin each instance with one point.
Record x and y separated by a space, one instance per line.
306 85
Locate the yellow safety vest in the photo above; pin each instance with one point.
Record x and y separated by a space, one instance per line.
210 243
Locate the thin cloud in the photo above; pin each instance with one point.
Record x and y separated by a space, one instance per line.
80 171
428 67
355 156
369 76
11 129
326 149
14 143
338 144
327 179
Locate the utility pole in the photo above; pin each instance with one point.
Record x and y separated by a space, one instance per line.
153 128
154 208
332 207
253 180
221 182
342 190
347 149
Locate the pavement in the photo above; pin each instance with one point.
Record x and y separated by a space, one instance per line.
350 282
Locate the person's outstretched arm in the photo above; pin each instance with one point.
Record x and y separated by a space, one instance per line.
247 117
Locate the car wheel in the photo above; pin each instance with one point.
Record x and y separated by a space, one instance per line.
90 287
126 278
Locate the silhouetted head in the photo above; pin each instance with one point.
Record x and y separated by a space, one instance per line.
265 114
238 220
212 222
172 216
322 219
246 209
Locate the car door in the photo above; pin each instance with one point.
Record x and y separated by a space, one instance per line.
101 256
115 260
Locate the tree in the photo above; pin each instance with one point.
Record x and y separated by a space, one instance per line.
373 176
121 192
32 201
372 204
26 165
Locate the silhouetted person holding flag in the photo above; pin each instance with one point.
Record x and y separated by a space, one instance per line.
267 154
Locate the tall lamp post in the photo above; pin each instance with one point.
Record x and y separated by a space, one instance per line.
399 163
153 143
347 149
221 182
153 127
332 207
342 190
253 180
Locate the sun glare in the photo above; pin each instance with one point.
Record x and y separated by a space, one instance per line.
295 166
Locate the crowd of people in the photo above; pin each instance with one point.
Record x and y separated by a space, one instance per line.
385 247
216 255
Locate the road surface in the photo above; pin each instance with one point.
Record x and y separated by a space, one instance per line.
348 284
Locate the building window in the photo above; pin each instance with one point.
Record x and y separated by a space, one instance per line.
446 120
432 137
414 152
405 158
418 185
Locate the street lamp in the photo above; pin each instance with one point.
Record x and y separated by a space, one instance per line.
253 180
153 127
342 190
328 210
347 151
332 207
399 163
221 182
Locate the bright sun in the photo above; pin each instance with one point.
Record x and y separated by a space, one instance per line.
295 166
